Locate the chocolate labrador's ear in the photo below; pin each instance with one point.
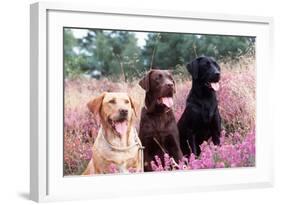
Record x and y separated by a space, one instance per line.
95 104
193 68
144 82
171 71
134 105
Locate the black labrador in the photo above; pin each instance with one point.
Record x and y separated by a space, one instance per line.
158 128
201 118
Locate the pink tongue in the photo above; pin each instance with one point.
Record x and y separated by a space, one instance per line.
121 127
168 101
215 86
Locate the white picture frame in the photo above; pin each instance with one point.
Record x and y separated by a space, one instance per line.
46 178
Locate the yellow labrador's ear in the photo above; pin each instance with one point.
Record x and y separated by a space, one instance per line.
95 104
134 105
144 82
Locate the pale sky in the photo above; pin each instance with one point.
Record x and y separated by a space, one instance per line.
141 36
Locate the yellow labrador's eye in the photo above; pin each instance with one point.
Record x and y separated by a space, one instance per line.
127 101
113 101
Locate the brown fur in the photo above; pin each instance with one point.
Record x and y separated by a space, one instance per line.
158 128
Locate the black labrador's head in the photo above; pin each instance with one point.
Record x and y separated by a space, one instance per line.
205 71
160 88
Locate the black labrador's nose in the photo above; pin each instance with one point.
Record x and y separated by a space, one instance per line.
217 73
123 112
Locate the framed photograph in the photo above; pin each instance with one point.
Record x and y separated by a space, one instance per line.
147 101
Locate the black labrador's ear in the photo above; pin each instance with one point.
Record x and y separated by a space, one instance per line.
144 82
192 68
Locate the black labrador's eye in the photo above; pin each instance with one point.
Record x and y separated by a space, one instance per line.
113 101
126 101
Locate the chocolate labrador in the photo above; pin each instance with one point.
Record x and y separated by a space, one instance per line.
158 129
201 118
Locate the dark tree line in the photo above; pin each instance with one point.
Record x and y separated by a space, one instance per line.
116 53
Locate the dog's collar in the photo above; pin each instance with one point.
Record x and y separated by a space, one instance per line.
126 148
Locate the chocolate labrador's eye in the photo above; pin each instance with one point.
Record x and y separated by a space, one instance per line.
113 101
160 76
126 101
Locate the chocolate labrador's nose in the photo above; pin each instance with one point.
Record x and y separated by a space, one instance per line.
170 85
123 112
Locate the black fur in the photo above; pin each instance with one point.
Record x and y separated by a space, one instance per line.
201 118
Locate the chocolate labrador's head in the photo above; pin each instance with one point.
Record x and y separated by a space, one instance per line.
160 88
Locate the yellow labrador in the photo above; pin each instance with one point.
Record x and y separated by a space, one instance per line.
117 145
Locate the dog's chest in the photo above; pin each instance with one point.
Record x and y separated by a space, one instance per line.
204 110
122 157
159 125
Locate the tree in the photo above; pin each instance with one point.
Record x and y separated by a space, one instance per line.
71 62
116 53
172 49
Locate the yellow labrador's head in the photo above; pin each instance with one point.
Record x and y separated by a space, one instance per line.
115 109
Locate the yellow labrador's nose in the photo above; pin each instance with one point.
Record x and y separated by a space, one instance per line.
123 112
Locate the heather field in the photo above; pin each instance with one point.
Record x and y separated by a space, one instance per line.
236 103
